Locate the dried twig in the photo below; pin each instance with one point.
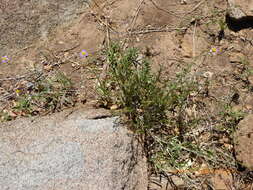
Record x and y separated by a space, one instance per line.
193 40
100 16
12 78
107 33
136 15
197 6
150 30
69 49
110 3
106 64
167 11
28 75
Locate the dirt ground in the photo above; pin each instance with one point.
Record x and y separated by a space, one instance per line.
171 33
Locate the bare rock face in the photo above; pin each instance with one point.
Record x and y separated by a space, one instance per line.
22 21
70 151
239 9
244 142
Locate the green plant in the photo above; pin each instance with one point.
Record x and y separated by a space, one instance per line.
4 116
154 108
245 69
48 94
24 104
133 87
230 119
222 24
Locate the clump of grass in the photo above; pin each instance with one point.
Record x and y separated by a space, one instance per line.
230 119
133 87
155 108
245 71
46 94
49 94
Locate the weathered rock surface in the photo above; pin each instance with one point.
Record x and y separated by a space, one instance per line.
69 151
22 22
239 9
244 142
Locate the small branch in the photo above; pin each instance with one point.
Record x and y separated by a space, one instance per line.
197 6
135 16
159 8
167 29
193 40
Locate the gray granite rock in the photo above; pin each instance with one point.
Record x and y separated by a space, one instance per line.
23 22
243 140
70 152
239 9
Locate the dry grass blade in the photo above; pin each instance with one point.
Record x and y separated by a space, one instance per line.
161 29
135 16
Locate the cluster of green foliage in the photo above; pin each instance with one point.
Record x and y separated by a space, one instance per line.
154 108
47 94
